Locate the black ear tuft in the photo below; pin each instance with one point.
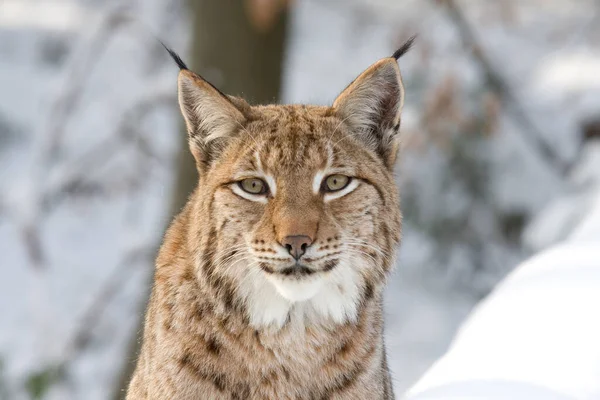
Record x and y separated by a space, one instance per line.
175 57
404 48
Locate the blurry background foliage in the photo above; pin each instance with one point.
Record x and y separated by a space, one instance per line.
500 122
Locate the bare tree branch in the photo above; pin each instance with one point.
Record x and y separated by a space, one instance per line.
33 246
497 83
63 107
76 173
80 338
55 372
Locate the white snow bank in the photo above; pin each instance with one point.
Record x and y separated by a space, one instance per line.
537 336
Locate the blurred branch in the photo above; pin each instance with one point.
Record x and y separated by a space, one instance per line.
384 11
3 208
76 172
63 107
55 180
33 246
79 341
498 84
75 179
583 28
80 338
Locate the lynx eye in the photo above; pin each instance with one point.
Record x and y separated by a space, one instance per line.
253 186
333 183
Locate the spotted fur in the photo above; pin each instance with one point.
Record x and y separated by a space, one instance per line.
230 317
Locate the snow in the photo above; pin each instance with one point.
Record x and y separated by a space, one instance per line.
87 239
34 14
576 209
535 337
103 234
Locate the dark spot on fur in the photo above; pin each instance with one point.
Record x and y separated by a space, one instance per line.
269 378
230 254
241 392
228 298
286 373
311 125
369 292
344 381
346 347
329 265
167 325
224 224
223 287
213 347
218 380
188 275
298 270
265 267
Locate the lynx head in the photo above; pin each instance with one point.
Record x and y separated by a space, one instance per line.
297 213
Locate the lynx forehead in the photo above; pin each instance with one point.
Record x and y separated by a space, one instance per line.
269 283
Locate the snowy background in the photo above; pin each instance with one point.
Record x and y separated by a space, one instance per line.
501 128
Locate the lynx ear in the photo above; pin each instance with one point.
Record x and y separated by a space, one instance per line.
210 116
371 107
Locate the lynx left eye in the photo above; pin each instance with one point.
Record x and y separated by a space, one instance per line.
253 186
333 183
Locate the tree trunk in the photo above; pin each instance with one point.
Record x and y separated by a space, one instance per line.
240 55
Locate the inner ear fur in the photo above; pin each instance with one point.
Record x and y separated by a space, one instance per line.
371 106
210 116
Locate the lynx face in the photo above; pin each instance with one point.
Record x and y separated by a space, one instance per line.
297 210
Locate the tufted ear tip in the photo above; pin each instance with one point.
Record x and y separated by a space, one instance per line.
174 56
404 48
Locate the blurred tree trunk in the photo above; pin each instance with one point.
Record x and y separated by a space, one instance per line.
239 47
238 54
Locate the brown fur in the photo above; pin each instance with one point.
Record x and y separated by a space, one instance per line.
203 336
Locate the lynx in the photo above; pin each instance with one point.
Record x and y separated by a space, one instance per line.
269 283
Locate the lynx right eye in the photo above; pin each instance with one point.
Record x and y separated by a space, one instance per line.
253 186
334 183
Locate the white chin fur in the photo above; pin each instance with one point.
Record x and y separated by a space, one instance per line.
272 301
296 290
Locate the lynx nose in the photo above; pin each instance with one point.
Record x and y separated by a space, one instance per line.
296 245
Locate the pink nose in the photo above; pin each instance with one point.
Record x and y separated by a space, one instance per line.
296 245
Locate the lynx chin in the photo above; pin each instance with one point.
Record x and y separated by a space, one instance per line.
269 283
